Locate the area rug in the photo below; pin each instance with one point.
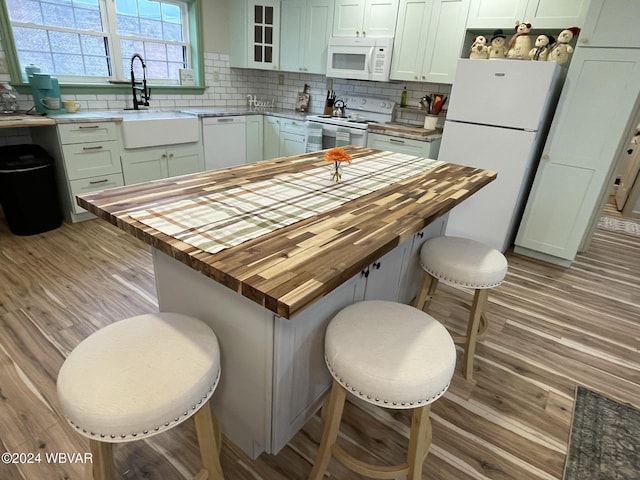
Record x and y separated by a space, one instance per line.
605 439
619 225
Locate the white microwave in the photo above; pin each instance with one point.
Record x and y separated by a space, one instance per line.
359 58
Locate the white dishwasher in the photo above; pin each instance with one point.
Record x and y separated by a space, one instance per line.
224 141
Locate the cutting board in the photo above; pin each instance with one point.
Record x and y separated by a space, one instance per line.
302 102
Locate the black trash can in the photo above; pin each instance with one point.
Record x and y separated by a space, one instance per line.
28 191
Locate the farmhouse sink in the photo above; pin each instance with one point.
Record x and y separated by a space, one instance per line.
144 128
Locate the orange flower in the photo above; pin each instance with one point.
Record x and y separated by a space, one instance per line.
337 154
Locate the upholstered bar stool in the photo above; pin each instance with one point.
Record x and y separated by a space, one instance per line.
462 262
139 377
391 355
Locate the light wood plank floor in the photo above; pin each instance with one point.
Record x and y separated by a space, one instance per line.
551 329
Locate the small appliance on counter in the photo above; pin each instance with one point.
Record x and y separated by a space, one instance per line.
46 92
8 99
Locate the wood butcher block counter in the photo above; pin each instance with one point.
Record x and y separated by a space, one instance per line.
270 298
274 270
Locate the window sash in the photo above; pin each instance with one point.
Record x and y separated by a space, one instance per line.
116 67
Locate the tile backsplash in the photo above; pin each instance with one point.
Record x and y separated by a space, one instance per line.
229 87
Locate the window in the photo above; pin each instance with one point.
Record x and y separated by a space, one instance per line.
92 41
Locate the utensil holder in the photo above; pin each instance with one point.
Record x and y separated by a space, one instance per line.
430 122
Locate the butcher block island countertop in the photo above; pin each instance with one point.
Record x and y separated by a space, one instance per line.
288 269
267 253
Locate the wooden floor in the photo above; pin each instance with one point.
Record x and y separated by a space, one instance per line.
551 329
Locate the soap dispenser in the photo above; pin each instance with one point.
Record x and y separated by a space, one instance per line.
403 98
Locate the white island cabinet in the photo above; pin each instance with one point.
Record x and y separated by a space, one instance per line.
274 374
269 299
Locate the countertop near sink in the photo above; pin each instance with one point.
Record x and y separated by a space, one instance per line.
234 111
21 121
405 131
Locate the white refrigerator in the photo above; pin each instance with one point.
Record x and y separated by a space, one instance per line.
498 118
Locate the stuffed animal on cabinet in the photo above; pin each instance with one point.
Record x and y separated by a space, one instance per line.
479 49
520 43
540 51
498 48
561 51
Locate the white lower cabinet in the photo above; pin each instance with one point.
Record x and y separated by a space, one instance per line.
292 137
283 137
410 146
87 160
145 164
254 138
271 139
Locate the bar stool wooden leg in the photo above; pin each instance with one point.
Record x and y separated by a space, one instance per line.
427 290
209 443
419 441
477 312
102 453
330 430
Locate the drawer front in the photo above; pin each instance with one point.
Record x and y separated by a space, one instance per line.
87 132
88 185
292 126
90 159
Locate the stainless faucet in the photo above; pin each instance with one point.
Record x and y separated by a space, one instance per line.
145 93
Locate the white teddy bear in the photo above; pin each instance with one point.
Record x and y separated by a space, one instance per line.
520 43
498 48
561 51
479 49
540 51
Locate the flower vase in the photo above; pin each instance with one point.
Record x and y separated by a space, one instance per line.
336 172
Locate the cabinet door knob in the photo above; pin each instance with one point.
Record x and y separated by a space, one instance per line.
545 157
420 234
584 40
364 273
424 77
364 34
376 265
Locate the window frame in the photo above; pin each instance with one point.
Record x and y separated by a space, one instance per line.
196 44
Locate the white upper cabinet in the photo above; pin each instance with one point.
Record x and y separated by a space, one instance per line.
428 40
606 27
255 34
365 18
305 31
556 14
